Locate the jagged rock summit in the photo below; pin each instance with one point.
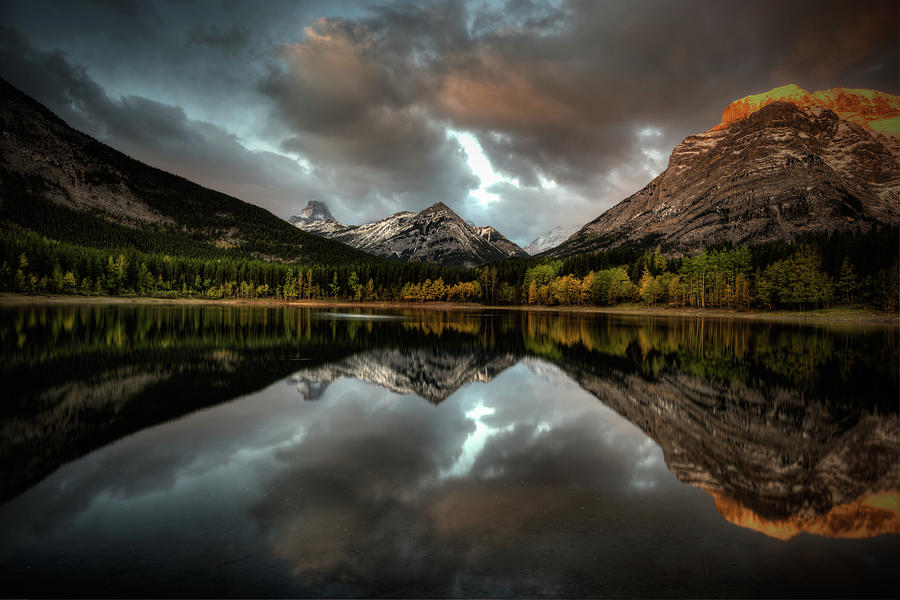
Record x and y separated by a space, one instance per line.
317 219
499 241
874 110
314 212
773 173
435 235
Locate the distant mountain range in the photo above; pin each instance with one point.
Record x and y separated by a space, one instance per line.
433 373
436 235
780 164
551 239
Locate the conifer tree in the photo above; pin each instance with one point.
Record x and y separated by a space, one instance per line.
847 283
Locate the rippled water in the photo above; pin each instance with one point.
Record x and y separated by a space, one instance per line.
250 451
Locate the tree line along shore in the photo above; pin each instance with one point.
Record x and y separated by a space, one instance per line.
817 271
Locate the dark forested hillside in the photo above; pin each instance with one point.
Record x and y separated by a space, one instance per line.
68 186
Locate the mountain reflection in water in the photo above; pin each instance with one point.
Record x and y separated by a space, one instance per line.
790 429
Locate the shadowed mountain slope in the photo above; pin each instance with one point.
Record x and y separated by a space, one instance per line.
66 185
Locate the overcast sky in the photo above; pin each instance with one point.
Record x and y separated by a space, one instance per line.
524 115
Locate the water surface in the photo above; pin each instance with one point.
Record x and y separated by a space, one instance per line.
250 451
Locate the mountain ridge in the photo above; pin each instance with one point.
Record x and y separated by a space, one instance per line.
874 110
780 172
436 235
550 239
316 211
66 185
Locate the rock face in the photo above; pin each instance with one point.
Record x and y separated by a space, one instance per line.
500 242
435 235
64 165
551 239
315 212
767 174
432 373
317 219
780 465
872 109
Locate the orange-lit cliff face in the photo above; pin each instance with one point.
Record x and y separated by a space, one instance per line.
877 111
871 515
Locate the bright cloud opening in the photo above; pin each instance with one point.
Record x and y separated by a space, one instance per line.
480 165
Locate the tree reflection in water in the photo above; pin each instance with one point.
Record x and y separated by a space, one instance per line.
790 428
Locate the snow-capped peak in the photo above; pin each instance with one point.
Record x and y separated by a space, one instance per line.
315 212
551 239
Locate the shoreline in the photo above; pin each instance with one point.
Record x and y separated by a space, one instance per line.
829 315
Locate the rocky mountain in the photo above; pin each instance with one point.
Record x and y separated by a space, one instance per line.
781 465
871 109
433 373
499 241
315 212
317 219
66 185
779 165
551 239
435 235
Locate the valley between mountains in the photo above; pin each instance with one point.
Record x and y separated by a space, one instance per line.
791 201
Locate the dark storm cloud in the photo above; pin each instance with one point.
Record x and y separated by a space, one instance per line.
365 95
204 56
230 41
557 92
567 105
65 88
352 95
122 21
157 133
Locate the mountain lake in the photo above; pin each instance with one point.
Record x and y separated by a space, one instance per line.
235 450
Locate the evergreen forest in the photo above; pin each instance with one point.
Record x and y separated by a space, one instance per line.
815 271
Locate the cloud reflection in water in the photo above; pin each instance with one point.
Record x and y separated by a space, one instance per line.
441 455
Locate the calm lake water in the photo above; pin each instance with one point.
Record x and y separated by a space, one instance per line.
152 450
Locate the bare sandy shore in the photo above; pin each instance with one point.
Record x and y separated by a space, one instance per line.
837 315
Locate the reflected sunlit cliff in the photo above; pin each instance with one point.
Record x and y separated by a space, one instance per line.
790 428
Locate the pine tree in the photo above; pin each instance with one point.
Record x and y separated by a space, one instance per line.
334 287
847 283
354 285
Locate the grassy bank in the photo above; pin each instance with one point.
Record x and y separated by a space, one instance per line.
849 314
